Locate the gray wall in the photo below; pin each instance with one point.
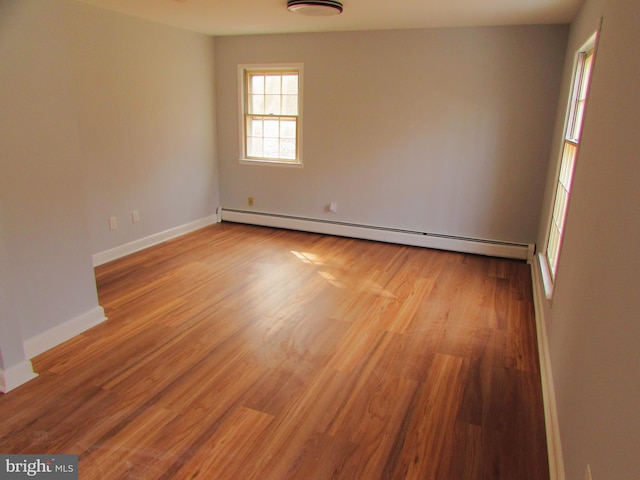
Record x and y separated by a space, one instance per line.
445 131
100 114
11 348
43 216
145 104
46 275
592 321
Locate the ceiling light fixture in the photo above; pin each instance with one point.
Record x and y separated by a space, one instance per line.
315 8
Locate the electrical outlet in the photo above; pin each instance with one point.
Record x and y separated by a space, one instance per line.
587 474
135 216
250 201
333 207
113 223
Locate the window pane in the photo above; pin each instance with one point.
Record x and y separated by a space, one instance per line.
257 84
288 149
272 104
271 128
560 210
288 128
586 78
256 104
272 84
567 164
552 249
271 148
254 127
289 105
254 147
290 84
577 124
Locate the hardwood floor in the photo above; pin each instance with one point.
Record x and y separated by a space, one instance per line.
240 352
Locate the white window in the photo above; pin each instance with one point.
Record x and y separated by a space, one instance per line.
271 114
570 148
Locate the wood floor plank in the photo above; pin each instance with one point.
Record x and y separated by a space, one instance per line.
242 352
373 413
280 445
428 440
227 448
467 460
119 455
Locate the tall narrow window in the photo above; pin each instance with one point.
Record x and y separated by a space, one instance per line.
571 144
271 112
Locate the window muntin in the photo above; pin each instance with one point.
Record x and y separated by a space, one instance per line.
570 148
271 109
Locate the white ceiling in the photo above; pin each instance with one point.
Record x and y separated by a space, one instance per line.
241 17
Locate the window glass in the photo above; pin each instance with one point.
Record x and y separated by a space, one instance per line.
271 100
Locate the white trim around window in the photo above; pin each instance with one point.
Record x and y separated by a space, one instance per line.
568 157
270 114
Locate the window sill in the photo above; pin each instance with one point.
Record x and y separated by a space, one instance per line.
270 163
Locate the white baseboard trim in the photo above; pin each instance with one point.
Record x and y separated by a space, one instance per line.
61 333
146 242
16 375
382 234
552 426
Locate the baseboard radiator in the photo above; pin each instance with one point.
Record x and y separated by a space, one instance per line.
520 251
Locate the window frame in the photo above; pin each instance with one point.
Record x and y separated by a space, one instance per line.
243 112
570 140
